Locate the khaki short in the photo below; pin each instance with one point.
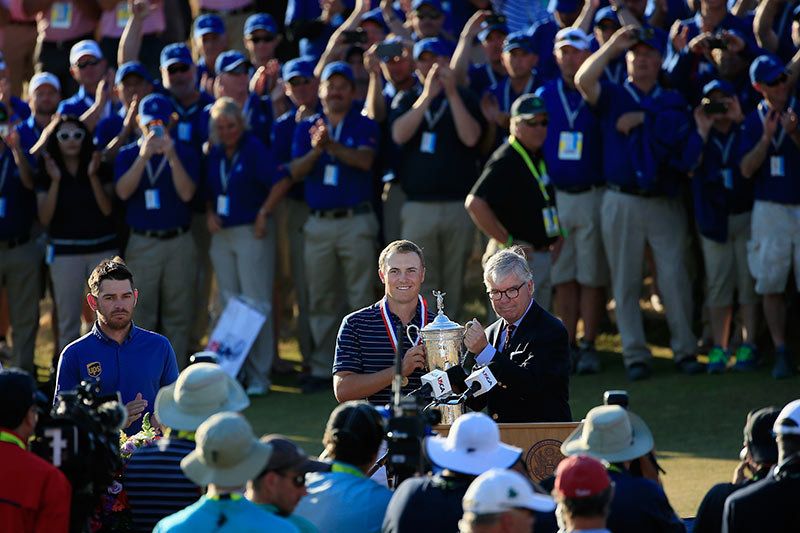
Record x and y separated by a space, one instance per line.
774 246
726 265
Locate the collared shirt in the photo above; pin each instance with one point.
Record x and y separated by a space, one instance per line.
302 525
363 346
113 20
504 92
341 502
155 484
427 503
192 126
65 21
543 35
223 516
640 504
169 211
488 353
482 77
282 135
332 184
17 203
29 133
143 363
80 102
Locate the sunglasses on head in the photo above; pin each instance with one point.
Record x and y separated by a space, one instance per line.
428 14
297 81
532 122
777 81
265 39
75 135
178 68
88 63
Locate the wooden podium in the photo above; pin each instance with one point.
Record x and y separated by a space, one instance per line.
540 443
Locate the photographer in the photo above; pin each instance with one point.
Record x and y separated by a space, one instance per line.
34 495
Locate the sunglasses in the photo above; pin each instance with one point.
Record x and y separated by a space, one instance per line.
777 81
534 123
425 14
88 63
267 39
178 68
297 81
298 480
75 135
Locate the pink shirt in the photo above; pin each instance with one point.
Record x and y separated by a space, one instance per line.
113 21
17 13
224 5
64 22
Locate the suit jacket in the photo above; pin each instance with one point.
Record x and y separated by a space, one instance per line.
532 371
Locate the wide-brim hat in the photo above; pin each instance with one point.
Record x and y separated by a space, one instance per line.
611 433
202 390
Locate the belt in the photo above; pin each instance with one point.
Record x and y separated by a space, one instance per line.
222 12
578 188
163 235
342 213
13 243
635 191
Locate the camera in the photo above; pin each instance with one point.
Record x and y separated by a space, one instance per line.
717 41
616 397
712 107
408 425
355 37
387 51
645 34
157 129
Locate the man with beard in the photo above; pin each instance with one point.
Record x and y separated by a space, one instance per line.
121 357
45 94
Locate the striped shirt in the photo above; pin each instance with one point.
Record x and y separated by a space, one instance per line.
155 483
363 346
521 15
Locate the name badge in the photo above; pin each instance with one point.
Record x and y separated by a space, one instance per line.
570 145
184 131
428 143
61 15
223 205
551 225
331 176
727 178
49 254
122 14
2 208
151 199
777 167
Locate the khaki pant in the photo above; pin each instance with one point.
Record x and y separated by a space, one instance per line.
296 217
540 264
340 256
628 223
164 273
18 50
204 274
726 265
445 233
393 198
245 266
774 248
20 274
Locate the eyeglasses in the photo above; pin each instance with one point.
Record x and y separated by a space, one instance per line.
297 81
426 14
266 39
88 63
75 135
298 480
178 68
777 81
534 123
511 293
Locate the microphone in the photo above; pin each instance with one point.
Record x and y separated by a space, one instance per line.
442 383
479 382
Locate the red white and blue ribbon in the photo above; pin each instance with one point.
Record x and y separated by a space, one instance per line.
387 322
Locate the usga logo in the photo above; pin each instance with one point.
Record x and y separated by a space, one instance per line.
440 382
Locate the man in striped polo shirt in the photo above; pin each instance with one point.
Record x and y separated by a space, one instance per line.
363 366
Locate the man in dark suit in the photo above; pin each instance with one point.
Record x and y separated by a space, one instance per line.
527 350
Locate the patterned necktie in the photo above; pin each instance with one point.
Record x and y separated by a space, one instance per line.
509 332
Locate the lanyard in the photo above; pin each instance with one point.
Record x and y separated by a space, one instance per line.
247 111
225 175
776 143
725 150
343 468
616 74
387 321
537 173
507 94
232 496
635 95
490 73
5 436
432 120
571 115
153 176
4 172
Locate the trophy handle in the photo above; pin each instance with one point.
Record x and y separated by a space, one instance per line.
412 338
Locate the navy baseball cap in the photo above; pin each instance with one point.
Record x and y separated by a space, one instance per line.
299 66
18 393
718 85
132 67
155 107
176 53
229 60
436 4
605 13
518 39
435 45
487 30
766 69
654 41
566 6
260 21
373 15
338 67
208 23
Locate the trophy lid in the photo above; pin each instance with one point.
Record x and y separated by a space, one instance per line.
441 322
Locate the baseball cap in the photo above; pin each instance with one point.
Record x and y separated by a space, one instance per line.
766 69
43 78
337 67
132 67
499 490
605 13
373 15
566 6
654 40
527 106
155 107
208 23
488 29
260 21
718 85
436 4
574 37
86 47
434 45
176 53
299 66
286 455
229 60
758 437
518 39
788 421
581 476
18 393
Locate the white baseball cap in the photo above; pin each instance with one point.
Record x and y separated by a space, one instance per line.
574 37
44 78
788 421
86 47
499 490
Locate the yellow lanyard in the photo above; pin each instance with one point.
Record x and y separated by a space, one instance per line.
537 173
12 439
232 496
347 469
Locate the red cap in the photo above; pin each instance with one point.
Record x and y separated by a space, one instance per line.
581 476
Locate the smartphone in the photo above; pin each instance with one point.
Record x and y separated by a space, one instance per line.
494 20
717 42
714 107
355 37
645 34
157 129
616 397
387 51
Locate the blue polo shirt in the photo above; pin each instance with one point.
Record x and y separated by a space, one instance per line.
29 133
17 204
239 514
80 102
544 35
192 126
772 186
482 77
250 174
143 363
351 186
570 122
616 70
506 95
19 110
282 135
108 128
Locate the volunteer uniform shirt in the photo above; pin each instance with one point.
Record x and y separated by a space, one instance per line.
364 346
17 204
80 102
282 135
506 95
573 145
543 35
143 363
482 77
155 205
234 514
29 132
332 184
776 179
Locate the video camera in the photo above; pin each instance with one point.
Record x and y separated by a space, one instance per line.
80 436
